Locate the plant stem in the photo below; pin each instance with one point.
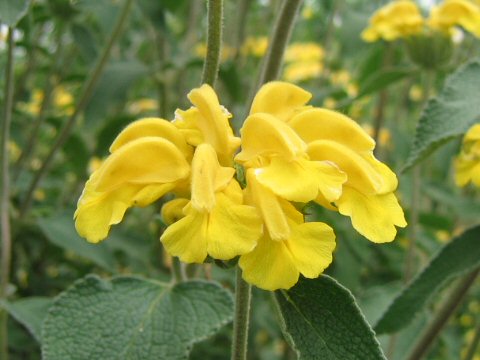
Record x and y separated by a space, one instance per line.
416 195
42 114
433 330
473 345
276 46
240 26
178 270
243 293
279 40
5 193
271 69
82 103
214 42
413 223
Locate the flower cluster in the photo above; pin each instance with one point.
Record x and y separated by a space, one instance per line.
291 154
402 19
467 164
303 61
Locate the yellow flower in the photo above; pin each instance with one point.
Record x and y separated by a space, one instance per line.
62 98
303 52
341 77
216 223
291 153
307 12
467 164
142 105
308 154
453 13
151 157
255 46
398 19
14 151
299 71
416 93
288 247
330 103
146 162
303 61
33 106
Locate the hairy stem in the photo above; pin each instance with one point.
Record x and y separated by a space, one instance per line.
82 103
271 69
448 308
279 40
5 193
243 293
214 42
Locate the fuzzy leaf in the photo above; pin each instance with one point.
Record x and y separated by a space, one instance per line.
131 318
322 321
12 11
60 230
29 312
459 256
448 115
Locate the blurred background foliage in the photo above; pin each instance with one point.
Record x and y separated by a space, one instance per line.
155 62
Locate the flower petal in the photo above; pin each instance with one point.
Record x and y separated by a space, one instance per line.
389 180
214 123
331 180
301 180
186 121
265 135
148 160
96 212
269 266
373 216
291 180
186 238
280 99
311 246
360 174
172 211
270 207
323 124
155 127
207 177
467 170
232 229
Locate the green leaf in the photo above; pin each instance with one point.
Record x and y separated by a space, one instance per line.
12 11
85 41
60 230
132 318
77 155
460 255
465 207
381 79
112 89
448 115
29 312
322 321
